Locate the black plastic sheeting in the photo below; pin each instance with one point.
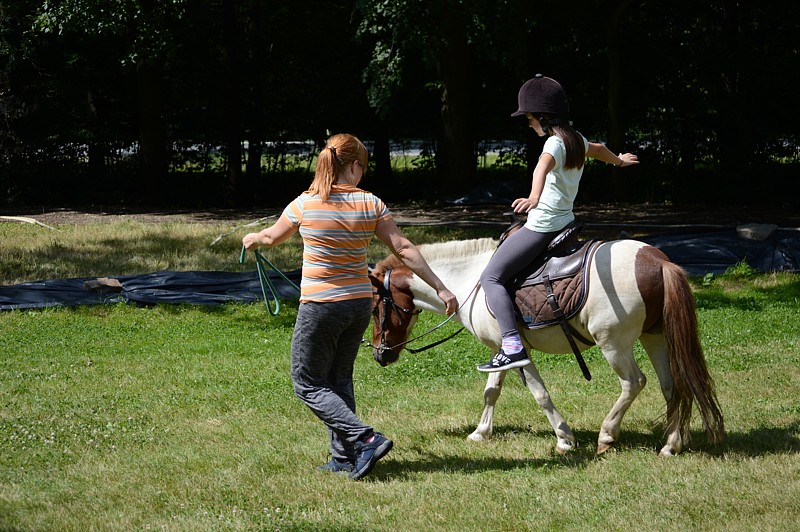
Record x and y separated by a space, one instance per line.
698 253
196 288
714 252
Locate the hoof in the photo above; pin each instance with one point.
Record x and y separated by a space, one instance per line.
564 448
667 452
603 447
476 437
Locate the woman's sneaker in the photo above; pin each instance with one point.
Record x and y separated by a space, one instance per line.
335 466
368 453
502 362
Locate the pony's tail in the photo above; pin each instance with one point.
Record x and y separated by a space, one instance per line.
687 364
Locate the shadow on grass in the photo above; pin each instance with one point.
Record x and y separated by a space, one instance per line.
752 444
763 441
583 455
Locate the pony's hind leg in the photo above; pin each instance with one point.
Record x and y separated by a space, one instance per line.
494 385
534 382
656 347
631 380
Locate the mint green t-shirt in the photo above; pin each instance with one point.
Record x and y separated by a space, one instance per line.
554 211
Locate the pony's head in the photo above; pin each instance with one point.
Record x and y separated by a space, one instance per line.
393 310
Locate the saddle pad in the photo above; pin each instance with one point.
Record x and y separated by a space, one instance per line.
570 293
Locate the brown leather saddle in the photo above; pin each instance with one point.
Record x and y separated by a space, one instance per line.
553 288
555 284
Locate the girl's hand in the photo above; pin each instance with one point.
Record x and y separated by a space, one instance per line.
523 205
627 159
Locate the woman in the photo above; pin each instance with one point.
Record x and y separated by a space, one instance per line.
549 206
337 221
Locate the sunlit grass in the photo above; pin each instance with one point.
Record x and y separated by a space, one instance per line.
184 418
30 253
120 248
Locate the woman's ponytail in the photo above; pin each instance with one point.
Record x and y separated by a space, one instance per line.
339 151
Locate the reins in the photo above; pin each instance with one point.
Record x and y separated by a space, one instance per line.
433 344
263 278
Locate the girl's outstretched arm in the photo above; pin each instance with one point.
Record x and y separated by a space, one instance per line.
601 153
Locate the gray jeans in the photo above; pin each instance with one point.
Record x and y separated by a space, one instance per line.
324 347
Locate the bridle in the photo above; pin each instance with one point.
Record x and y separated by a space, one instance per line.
388 303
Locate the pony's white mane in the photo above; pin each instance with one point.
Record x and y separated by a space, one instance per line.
456 249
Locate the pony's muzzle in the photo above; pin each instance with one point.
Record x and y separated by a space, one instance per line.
384 355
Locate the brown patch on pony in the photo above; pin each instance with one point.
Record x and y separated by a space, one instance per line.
650 282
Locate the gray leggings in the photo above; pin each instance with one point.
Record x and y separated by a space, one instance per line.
324 347
516 252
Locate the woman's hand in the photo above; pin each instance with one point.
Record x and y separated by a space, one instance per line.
250 241
449 300
271 236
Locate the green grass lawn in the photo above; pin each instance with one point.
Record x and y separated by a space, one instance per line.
183 418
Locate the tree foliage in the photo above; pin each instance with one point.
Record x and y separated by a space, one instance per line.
196 102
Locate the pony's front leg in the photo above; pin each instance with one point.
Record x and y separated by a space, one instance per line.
494 384
534 382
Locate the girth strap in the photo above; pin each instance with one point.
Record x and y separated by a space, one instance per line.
565 326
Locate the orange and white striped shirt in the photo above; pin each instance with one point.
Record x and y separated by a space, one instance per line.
336 234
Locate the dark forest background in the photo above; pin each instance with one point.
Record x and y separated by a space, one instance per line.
209 103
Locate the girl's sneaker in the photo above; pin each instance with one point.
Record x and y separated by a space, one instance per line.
502 362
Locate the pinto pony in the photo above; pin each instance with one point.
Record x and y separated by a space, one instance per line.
634 293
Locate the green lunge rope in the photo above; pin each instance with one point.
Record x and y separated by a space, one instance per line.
261 265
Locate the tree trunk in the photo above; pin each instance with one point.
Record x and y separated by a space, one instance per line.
255 119
382 157
255 150
152 132
616 118
97 147
232 126
735 149
456 151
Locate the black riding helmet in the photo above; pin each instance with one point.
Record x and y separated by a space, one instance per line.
542 95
